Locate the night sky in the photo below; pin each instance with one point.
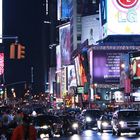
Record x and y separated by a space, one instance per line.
24 18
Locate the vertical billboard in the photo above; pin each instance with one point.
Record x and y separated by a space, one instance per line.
125 72
80 71
77 66
135 66
1 9
71 77
58 9
90 29
123 17
1 64
1 68
90 59
58 57
63 82
63 9
64 39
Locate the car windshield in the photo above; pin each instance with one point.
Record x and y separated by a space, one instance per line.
93 113
42 120
107 117
129 114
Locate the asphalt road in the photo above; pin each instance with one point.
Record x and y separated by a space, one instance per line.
94 135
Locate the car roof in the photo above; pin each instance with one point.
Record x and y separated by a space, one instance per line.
122 110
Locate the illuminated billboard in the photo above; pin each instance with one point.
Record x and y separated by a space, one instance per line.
125 72
58 9
63 9
106 66
58 57
90 59
124 69
135 66
123 17
1 9
1 63
77 65
90 29
80 71
71 75
64 39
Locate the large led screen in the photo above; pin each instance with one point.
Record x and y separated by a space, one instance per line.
123 17
106 66
90 29
64 39
135 65
1 9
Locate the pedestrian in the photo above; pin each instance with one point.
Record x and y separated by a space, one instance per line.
25 131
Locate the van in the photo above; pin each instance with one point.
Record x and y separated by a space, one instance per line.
126 120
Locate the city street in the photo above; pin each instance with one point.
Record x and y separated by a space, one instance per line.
94 135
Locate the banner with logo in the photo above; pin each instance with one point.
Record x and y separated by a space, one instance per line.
123 17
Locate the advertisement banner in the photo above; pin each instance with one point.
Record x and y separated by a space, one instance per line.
90 29
63 82
64 39
106 66
124 69
71 75
123 17
1 19
58 57
1 63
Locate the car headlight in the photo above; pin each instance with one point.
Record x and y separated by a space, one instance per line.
42 136
44 127
75 125
122 123
88 119
104 124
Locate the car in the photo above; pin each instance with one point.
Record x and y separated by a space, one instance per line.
89 117
104 123
126 120
43 125
57 125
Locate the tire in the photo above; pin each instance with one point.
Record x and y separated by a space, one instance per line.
101 130
137 133
113 132
51 134
118 133
98 130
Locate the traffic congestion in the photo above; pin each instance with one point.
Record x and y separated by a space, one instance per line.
64 123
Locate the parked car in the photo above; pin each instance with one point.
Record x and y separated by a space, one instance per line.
126 120
89 117
104 123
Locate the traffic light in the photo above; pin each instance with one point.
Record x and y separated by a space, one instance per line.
21 52
12 51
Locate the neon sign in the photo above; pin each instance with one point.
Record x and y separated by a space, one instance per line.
127 3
